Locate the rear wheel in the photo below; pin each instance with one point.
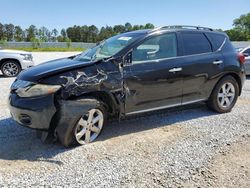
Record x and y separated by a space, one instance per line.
224 95
10 68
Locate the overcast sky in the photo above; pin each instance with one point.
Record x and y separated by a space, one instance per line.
64 13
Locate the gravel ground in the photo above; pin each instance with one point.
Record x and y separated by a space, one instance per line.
183 147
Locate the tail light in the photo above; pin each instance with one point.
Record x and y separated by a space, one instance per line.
241 58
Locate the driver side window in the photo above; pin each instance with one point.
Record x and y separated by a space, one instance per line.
155 48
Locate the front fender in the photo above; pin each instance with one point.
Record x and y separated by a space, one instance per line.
68 114
17 57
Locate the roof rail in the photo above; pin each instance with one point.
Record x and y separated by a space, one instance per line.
182 27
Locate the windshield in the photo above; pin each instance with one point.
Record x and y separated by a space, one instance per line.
108 48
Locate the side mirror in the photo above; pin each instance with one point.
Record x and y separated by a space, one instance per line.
246 54
127 59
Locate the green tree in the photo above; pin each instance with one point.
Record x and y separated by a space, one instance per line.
119 29
243 22
63 36
44 34
19 34
9 31
237 35
74 33
31 33
102 34
54 34
63 33
92 34
241 30
84 33
128 27
2 33
136 27
149 26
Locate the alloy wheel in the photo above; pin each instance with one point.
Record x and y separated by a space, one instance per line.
10 69
89 126
226 95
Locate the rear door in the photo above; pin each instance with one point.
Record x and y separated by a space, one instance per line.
201 64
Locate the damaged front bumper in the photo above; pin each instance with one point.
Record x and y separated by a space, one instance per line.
35 113
41 112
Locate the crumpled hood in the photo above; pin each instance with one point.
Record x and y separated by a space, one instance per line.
49 68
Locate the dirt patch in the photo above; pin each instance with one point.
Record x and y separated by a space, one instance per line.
233 169
243 101
229 169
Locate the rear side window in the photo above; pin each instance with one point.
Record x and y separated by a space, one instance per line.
195 43
216 39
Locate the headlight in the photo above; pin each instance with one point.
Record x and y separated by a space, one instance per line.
20 84
37 90
27 57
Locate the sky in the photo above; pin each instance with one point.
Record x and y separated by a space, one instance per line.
217 14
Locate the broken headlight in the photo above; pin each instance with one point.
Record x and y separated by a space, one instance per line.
37 90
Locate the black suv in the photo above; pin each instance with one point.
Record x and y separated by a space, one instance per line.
130 73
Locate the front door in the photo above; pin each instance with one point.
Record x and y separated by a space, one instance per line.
153 80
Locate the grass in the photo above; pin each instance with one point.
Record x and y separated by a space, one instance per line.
49 49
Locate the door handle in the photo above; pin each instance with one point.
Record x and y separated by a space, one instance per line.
217 62
175 69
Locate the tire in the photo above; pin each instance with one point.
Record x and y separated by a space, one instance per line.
80 132
224 95
10 68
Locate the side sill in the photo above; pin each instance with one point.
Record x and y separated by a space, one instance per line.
165 107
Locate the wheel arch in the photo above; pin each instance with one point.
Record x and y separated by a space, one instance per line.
235 76
111 102
8 59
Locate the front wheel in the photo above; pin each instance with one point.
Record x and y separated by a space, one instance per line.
89 126
10 68
224 95
86 128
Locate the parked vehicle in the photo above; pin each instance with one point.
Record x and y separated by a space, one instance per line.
12 62
130 73
246 52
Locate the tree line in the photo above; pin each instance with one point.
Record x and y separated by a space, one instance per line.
241 30
91 34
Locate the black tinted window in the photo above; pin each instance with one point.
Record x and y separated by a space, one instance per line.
247 51
216 39
195 43
156 48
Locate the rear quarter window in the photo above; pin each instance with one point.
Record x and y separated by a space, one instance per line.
216 39
195 43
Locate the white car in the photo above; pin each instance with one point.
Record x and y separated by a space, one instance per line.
12 62
246 52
